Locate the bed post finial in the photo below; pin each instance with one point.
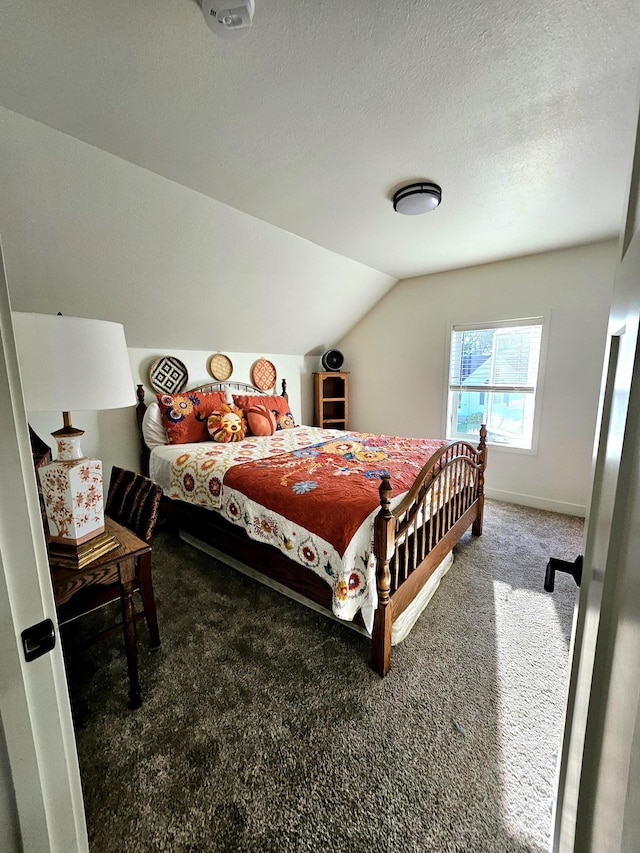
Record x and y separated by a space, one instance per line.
483 437
383 542
383 548
284 389
482 449
141 408
476 528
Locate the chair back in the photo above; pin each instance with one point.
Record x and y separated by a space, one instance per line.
134 502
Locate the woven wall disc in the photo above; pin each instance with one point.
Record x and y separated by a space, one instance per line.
263 374
168 375
220 366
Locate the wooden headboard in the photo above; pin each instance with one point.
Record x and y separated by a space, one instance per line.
237 387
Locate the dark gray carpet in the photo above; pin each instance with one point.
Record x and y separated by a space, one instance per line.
263 728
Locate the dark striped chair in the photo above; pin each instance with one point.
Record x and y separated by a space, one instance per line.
134 502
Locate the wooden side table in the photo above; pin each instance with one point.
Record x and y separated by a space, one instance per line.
331 399
116 566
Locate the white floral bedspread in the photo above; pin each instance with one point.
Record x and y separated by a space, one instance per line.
196 471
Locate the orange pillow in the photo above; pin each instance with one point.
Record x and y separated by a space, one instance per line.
185 415
260 420
274 403
227 424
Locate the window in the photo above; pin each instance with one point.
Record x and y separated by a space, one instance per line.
493 377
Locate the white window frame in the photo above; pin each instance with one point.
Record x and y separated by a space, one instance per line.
540 319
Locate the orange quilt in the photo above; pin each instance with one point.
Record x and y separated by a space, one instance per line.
330 488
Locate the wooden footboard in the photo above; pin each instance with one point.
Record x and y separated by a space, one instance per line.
411 540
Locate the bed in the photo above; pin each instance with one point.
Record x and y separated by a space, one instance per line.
358 525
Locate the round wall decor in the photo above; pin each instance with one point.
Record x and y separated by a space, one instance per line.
263 374
168 375
220 366
332 360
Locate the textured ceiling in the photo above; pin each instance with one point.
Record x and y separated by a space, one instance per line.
524 113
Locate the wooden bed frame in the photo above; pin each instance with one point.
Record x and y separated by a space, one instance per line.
410 541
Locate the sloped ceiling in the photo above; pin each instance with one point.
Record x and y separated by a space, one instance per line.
88 234
524 113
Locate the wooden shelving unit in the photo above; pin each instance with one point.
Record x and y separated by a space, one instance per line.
331 393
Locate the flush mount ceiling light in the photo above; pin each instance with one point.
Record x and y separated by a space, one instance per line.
417 198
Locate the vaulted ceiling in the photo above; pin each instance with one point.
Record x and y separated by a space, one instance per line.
523 113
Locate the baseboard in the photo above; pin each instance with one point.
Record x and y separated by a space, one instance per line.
547 504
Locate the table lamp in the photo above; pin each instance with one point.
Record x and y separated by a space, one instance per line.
72 364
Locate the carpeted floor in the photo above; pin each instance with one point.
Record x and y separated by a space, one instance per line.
263 728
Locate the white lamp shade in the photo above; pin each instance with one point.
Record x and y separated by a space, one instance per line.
72 364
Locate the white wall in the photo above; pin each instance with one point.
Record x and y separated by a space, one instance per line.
397 359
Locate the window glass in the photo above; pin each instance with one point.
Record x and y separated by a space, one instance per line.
493 378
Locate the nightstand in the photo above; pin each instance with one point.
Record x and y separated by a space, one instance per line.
115 566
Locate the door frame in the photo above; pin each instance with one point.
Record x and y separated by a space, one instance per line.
594 810
43 776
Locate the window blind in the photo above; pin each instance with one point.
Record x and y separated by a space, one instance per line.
501 356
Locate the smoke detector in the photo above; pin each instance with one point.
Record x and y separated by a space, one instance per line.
228 19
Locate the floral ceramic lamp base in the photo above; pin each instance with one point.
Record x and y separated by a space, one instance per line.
72 491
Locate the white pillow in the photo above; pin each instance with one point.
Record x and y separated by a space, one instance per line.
153 430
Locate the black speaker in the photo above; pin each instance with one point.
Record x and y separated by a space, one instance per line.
332 360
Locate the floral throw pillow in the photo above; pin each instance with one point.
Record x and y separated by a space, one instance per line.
227 424
185 415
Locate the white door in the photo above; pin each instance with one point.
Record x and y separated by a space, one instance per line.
41 807
598 806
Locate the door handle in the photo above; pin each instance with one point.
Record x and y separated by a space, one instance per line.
554 565
38 640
